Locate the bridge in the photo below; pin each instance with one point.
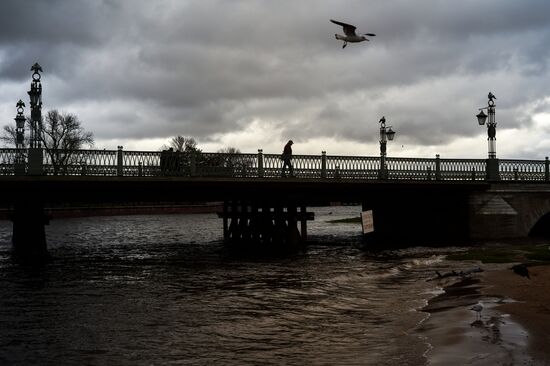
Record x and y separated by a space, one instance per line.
414 200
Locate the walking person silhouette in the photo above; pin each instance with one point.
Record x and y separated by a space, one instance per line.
286 157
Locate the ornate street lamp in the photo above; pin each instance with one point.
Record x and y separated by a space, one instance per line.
35 155
20 139
386 134
20 126
492 168
491 125
35 95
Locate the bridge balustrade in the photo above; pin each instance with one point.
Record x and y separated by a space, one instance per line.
80 162
462 169
352 167
411 168
165 163
7 161
524 170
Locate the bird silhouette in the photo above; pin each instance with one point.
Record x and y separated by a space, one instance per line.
521 269
350 35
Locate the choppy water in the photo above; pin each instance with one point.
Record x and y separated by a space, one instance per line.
158 290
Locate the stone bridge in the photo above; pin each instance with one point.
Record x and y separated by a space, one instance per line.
414 201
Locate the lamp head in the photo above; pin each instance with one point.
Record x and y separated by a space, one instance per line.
481 118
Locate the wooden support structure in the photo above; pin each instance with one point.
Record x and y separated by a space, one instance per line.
269 225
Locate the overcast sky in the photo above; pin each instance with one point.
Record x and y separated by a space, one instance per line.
253 74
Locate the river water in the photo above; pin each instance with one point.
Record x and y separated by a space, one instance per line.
161 290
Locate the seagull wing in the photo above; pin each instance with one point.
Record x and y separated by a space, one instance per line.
349 30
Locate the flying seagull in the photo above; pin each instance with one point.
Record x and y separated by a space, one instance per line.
350 36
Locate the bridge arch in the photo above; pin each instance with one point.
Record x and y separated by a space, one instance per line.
515 212
535 212
541 228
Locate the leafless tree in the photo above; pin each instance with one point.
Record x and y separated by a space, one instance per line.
179 155
229 150
182 144
8 136
61 134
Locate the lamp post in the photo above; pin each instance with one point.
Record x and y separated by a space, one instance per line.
492 161
386 134
491 125
35 149
20 139
35 95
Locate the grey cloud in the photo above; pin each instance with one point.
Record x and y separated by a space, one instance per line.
211 67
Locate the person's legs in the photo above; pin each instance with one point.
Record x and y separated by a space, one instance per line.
286 163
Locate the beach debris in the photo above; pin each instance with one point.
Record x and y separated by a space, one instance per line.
477 308
457 273
521 269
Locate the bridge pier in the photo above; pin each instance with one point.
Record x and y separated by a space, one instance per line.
264 225
29 233
430 217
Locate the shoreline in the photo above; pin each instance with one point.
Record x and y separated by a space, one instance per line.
531 307
512 328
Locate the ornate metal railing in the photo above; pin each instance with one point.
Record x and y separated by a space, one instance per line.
524 170
198 164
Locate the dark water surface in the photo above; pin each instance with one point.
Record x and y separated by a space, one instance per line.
161 290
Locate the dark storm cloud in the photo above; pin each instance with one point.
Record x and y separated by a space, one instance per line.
52 31
202 68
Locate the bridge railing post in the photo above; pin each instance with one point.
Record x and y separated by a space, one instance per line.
120 162
546 169
383 172
35 161
323 164
437 167
492 169
260 163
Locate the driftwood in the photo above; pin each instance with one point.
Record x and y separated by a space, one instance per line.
456 273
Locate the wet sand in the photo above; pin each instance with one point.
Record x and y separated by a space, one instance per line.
532 306
512 329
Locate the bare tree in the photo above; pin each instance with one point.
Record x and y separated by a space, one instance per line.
179 155
9 136
232 159
229 150
182 144
62 134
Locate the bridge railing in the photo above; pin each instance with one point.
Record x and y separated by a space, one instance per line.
7 161
463 169
169 163
80 162
524 170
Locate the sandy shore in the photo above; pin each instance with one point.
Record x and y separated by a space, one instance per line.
512 329
532 306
